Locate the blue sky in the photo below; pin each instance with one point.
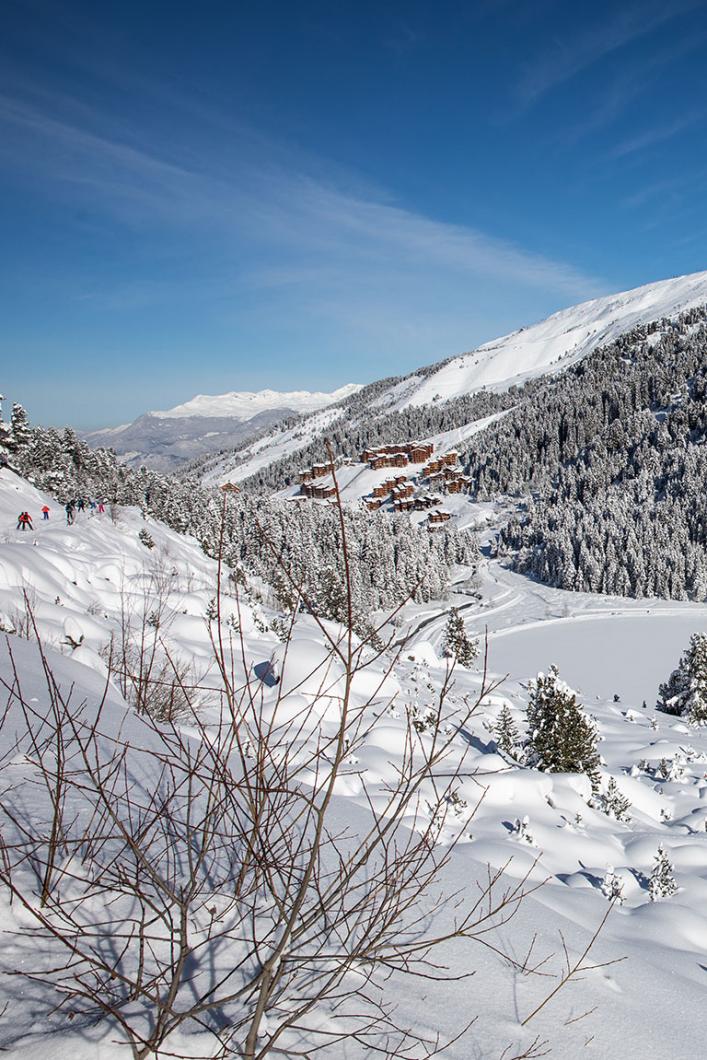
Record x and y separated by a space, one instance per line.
220 196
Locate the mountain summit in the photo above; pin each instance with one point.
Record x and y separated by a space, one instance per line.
208 423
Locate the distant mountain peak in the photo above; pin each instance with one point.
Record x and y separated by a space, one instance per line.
244 404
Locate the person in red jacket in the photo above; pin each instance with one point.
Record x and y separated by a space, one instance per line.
45 511
24 520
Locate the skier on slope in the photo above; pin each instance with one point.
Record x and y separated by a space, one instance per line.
69 509
101 507
24 520
45 511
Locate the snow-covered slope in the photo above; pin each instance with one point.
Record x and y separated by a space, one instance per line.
549 346
563 339
80 579
243 405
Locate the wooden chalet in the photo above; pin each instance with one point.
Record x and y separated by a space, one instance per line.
437 518
384 488
417 453
320 470
425 501
323 491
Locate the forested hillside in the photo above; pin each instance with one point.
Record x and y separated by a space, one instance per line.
391 557
612 455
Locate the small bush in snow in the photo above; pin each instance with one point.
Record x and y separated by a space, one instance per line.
456 803
521 830
506 733
146 538
672 768
424 719
662 882
612 886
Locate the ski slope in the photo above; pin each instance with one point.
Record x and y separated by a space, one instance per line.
561 340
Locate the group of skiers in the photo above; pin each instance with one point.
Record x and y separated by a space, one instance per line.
24 521
81 504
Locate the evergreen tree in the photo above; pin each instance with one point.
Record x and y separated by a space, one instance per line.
662 882
19 428
562 738
457 645
506 731
5 434
612 886
685 691
614 803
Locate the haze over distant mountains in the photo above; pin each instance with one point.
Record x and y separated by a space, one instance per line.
164 439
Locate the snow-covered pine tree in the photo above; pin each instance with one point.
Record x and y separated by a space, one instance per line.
19 428
521 830
614 803
5 435
612 886
562 738
685 691
506 732
662 882
457 645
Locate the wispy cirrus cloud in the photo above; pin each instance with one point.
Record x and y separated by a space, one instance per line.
656 135
276 221
567 56
613 98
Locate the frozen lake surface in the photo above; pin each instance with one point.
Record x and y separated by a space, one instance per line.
599 654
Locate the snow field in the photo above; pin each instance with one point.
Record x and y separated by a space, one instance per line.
97 565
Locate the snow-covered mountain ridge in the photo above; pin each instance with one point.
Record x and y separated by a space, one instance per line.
243 404
209 423
541 349
559 341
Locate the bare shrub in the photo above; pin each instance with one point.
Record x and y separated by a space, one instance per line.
198 881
